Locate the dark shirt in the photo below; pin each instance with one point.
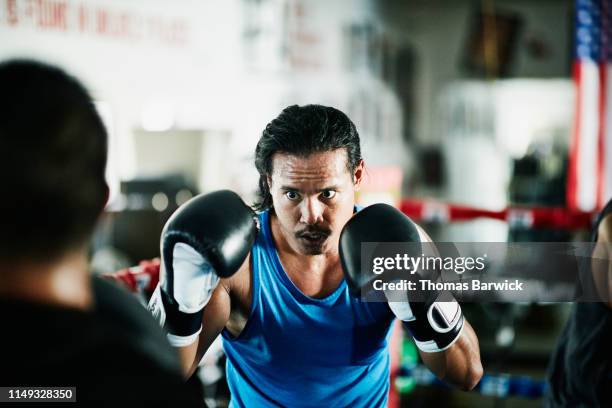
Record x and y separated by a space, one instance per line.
580 372
114 354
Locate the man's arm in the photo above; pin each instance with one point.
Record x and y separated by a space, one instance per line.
207 240
459 364
434 318
215 317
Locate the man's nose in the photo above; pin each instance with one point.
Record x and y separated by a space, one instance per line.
311 211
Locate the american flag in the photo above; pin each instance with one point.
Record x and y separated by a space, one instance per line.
590 168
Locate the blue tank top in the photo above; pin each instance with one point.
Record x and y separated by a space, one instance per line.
298 351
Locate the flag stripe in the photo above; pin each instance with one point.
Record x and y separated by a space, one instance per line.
601 134
588 131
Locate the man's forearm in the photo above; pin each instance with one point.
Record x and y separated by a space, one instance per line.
460 364
187 357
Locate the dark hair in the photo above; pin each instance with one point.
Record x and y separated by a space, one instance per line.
53 146
301 131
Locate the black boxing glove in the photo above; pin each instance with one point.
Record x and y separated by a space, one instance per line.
206 239
433 318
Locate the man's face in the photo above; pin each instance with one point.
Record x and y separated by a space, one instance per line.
313 198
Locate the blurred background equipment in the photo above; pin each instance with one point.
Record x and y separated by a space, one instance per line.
131 227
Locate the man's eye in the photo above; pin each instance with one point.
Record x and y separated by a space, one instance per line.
292 195
327 194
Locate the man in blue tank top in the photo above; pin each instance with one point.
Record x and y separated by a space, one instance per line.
274 288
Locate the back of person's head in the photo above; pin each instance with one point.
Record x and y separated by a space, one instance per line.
301 131
53 146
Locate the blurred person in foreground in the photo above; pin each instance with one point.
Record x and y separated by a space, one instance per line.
61 327
580 371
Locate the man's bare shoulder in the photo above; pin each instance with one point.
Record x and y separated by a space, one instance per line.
239 281
604 230
238 287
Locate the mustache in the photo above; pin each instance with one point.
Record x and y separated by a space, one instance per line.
313 230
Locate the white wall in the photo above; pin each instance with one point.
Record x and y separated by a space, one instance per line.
186 66
185 58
